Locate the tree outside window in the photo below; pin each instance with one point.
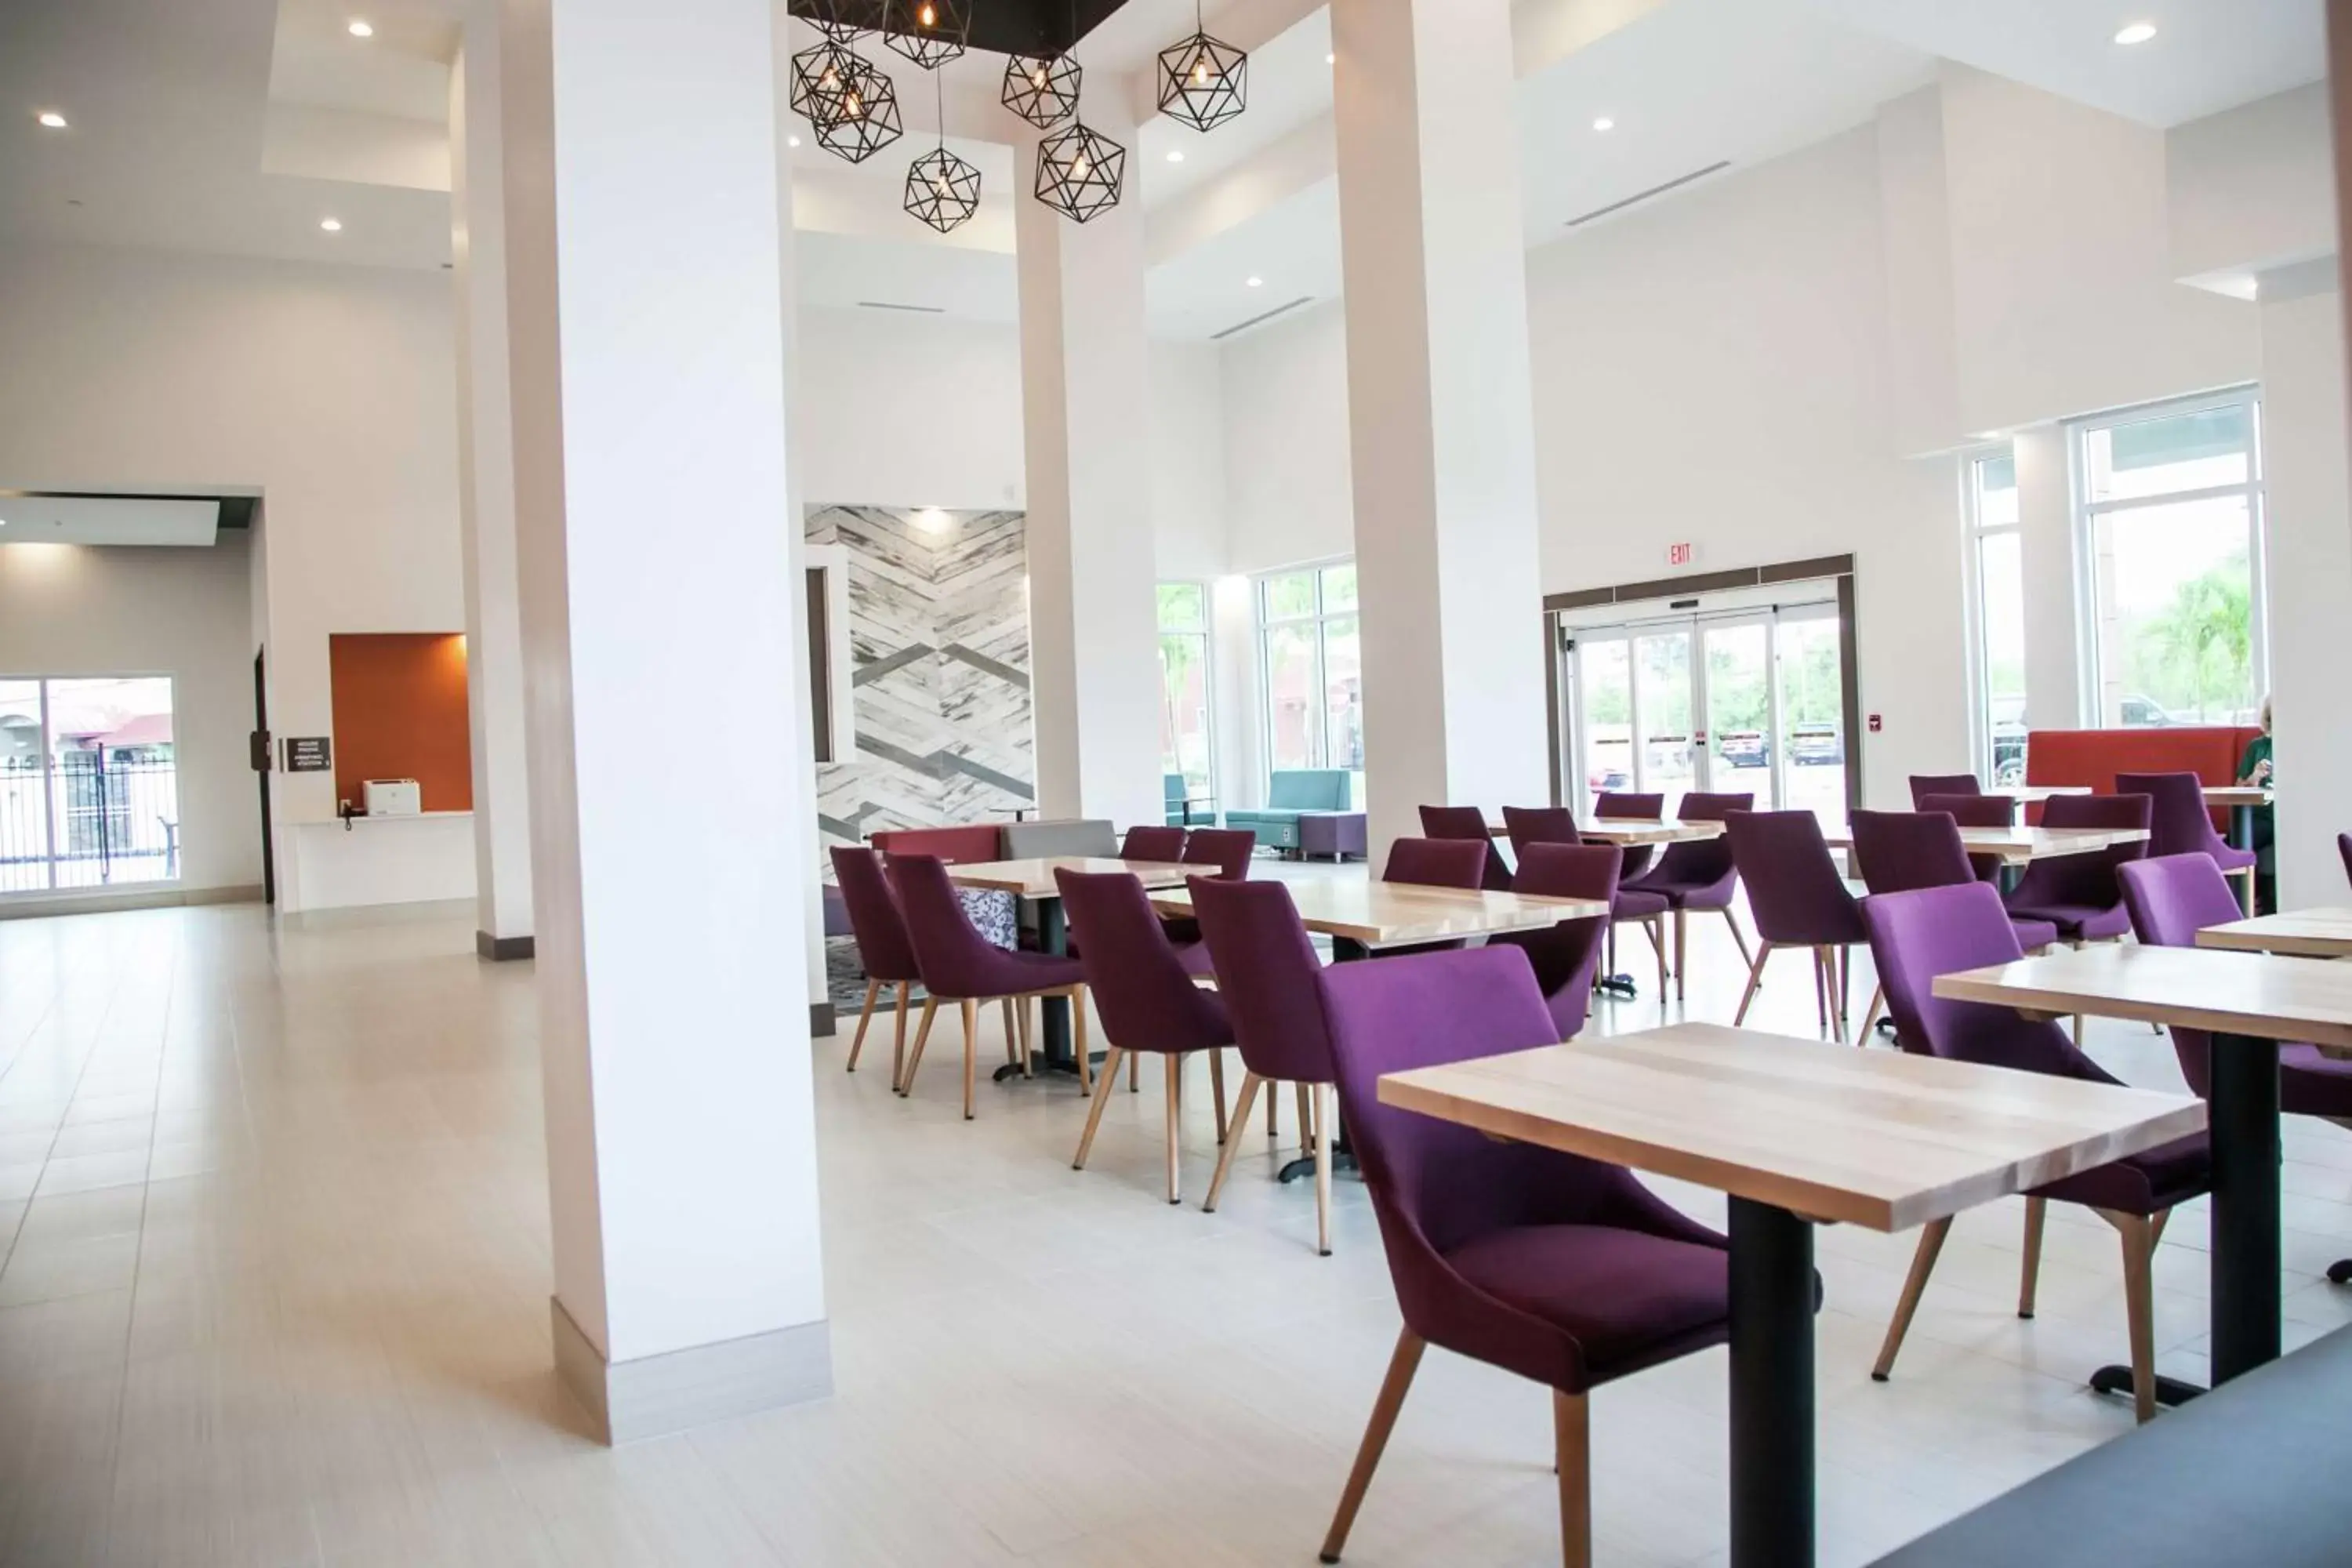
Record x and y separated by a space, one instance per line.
1310 637
1185 744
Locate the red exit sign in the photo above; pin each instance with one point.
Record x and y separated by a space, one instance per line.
1681 554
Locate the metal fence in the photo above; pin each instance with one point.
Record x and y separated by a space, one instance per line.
90 820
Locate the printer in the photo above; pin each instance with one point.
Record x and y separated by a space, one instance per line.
393 798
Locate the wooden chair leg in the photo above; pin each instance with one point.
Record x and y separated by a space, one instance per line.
1273 1116
2139 1304
1321 1100
1094 1112
1755 978
1250 1082
1306 1129
1012 1040
1736 934
1217 1089
1870 1018
970 1045
2036 1211
1078 1037
923 1036
1028 1036
898 1031
1134 1073
1571 1446
1922 1263
1821 985
1682 953
1402 1364
1656 926
1845 983
1175 1115
864 1017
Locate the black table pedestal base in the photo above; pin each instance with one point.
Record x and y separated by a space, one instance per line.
2340 1271
2170 1392
1617 986
2243 1130
1343 1164
1772 1301
1066 1066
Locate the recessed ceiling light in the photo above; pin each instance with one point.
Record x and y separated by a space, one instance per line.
1258 282
331 224
1332 59
1604 123
51 120
792 140
359 30
2136 33
1175 154
1991 436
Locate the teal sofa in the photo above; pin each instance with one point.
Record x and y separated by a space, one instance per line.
1289 795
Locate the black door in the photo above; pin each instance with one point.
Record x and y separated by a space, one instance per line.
260 750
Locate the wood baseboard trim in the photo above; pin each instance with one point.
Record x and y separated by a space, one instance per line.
657 1395
502 949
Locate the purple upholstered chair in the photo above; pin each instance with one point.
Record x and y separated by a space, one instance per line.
884 950
2179 823
1145 995
1565 955
1903 850
1617 805
1435 863
1924 784
1697 873
1564 1270
1268 976
1976 811
958 964
2078 893
1917 936
1227 849
1164 844
1468 823
1798 901
1540 825
2344 853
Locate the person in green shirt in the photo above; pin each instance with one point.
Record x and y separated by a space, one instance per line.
2254 771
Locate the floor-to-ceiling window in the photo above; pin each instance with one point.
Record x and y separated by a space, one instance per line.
1310 648
1185 744
1998 553
88 787
2169 501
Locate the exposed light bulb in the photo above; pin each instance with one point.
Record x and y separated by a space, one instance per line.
930 17
1038 76
1200 72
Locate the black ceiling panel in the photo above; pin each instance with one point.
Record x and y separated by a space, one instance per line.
1000 26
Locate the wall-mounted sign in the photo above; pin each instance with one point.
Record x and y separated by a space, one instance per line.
1682 553
309 754
1877 722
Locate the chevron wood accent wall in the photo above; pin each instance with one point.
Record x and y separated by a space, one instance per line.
939 627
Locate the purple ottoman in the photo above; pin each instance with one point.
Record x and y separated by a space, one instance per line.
1339 834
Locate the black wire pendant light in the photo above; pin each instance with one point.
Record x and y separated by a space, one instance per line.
1042 89
822 75
930 33
1080 171
1203 82
866 119
942 190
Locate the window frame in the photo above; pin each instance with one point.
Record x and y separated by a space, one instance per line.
1982 727
1318 618
2088 513
1206 633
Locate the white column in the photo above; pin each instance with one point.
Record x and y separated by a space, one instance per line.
644 315
1085 396
1440 421
486 514
2046 516
2309 511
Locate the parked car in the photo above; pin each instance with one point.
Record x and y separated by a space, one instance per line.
1744 748
1816 745
2146 713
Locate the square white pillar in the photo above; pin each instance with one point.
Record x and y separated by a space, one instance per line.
1440 408
1086 396
659 613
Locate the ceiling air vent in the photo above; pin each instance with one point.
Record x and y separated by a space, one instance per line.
1261 317
894 305
1673 185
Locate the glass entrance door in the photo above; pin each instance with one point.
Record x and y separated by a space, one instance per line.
1743 732
1809 666
1665 749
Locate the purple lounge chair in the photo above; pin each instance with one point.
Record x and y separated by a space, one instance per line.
1697 873
2078 893
958 964
1468 823
1565 955
1917 936
1977 811
1901 851
2179 823
1926 784
884 950
1564 1270
1151 843
1798 901
1144 992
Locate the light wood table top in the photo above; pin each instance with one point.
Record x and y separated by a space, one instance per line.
2307 933
1632 829
2237 795
2019 845
1880 1139
2252 994
1034 879
2035 794
1392 914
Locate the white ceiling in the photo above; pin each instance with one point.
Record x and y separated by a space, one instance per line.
234 126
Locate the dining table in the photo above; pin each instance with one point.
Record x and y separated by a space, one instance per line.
2247 1002
1796 1134
1627 831
1032 881
2016 847
2299 934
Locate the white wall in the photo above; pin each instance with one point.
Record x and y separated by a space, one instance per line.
71 609
1189 502
330 389
907 410
1287 489
2252 187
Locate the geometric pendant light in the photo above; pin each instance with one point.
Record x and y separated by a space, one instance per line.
1042 89
1080 171
863 118
933 32
942 190
1203 82
822 75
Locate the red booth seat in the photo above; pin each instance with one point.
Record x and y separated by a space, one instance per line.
951 845
2094 757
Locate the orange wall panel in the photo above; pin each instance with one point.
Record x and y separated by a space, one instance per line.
399 702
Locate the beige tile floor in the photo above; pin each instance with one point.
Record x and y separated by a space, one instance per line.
273 1212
